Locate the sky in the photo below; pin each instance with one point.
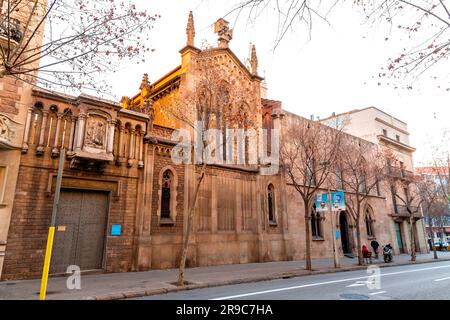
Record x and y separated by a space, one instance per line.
335 70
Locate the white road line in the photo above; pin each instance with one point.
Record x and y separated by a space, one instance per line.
448 278
324 283
358 284
375 293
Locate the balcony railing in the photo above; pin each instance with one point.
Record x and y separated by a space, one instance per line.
401 211
400 173
13 26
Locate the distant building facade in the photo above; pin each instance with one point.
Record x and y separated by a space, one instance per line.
441 223
376 126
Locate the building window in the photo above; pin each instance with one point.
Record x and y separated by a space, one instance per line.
397 137
166 194
385 132
271 202
339 182
369 223
378 188
316 224
310 172
2 183
394 199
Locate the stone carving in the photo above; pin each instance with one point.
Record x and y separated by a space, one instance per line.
96 133
8 133
225 33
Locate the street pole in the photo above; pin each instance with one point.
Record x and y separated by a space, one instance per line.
51 231
333 234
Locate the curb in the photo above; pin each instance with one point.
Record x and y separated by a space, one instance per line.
151 292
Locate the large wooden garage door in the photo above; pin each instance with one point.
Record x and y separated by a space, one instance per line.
80 232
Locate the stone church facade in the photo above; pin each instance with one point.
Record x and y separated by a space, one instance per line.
124 202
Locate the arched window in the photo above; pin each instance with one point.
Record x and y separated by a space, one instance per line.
271 202
166 193
369 223
316 224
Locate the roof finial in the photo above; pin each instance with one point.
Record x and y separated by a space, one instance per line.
190 30
254 61
225 33
145 83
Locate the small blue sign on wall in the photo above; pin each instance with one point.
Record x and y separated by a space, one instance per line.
337 234
116 230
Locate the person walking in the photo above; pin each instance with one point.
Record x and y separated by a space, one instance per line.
375 245
367 254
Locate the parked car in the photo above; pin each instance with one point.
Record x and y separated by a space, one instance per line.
445 244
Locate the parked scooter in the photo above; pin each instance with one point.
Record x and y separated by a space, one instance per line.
387 253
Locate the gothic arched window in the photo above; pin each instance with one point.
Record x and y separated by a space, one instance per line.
166 193
369 223
271 202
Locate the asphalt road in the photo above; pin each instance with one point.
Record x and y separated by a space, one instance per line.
421 281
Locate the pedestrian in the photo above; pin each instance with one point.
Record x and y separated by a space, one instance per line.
430 243
441 245
366 254
375 245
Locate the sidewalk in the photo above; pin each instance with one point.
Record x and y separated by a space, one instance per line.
135 284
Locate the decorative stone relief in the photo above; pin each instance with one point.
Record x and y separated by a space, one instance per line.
96 133
9 133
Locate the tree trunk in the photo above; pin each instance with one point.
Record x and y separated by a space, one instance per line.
184 251
358 243
433 247
308 260
413 239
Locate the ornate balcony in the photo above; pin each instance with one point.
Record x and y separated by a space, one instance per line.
401 213
396 172
10 33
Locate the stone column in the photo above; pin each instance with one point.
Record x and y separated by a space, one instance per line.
72 135
141 142
110 144
40 148
80 131
26 135
55 150
120 148
131 147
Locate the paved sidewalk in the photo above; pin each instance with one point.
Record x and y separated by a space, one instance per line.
136 284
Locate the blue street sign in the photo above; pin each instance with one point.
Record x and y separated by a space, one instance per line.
116 230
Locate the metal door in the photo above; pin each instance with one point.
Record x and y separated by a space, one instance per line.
80 232
398 233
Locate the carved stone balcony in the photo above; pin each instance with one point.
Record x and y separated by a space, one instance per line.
400 173
10 34
401 213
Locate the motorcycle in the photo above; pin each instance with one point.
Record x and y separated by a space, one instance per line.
387 253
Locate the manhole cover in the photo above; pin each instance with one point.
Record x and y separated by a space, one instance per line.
354 296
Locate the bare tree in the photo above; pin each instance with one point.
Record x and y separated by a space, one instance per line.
211 103
434 205
69 44
308 151
361 166
405 189
424 24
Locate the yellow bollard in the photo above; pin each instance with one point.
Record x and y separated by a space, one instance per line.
48 258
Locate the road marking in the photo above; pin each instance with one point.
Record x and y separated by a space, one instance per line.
324 283
448 278
375 293
358 284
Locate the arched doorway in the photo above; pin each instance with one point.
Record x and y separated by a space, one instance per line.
344 228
